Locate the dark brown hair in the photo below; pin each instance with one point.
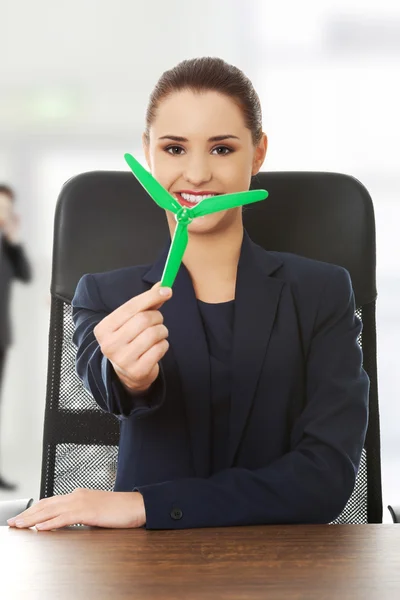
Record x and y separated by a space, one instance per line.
209 74
5 189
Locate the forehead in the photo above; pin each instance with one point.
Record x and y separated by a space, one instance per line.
191 114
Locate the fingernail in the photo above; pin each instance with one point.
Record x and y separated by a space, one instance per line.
165 291
19 522
11 521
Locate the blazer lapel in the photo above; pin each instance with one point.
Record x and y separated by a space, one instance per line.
189 347
256 302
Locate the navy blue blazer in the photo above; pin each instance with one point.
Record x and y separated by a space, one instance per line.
299 404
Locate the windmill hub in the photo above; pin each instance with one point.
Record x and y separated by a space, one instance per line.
183 216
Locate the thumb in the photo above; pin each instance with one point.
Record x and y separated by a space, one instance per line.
164 293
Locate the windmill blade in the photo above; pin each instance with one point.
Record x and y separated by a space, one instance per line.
227 201
158 193
175 255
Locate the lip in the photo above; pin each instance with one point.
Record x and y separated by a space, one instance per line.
186 203
192 193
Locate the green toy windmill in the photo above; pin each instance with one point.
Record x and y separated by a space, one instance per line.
185 215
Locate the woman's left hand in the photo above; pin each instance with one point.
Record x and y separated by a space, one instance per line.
87 507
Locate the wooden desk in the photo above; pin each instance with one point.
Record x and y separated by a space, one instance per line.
303 562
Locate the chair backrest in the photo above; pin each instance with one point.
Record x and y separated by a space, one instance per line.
105 220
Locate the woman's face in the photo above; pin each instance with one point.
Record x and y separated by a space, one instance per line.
183 156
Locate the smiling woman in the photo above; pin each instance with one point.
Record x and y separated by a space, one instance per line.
203 137
241 395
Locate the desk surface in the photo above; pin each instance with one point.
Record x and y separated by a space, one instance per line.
303 562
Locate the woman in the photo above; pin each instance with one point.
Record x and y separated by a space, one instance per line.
241 396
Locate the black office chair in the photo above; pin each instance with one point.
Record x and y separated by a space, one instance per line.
105 220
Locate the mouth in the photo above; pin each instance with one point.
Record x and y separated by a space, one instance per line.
191 200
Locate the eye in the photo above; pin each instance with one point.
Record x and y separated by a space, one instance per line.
173 148
229 150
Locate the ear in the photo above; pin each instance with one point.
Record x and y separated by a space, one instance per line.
259 154
146 149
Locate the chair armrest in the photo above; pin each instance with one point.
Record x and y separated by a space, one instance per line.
12 508
395 512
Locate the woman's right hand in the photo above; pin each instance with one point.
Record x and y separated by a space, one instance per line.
134 339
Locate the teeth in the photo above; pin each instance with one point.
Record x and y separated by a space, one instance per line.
196 199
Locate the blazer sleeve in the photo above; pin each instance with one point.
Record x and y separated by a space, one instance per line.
314 480
95 370
20 263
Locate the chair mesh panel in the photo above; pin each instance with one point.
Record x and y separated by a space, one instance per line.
80 446
80 442
72 396
356 510
92 467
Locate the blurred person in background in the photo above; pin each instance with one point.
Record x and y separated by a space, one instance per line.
13 265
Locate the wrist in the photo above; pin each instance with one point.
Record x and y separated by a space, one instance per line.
131 389
142 510
127 384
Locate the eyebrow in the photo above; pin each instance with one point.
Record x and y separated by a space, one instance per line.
215 138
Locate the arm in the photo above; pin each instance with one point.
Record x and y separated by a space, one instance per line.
95 370
312 482
19 260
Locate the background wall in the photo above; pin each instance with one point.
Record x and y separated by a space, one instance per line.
75 78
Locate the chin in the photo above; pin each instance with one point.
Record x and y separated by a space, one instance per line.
207 224
217 222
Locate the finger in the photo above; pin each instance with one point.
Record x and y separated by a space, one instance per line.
146 301
125 356
150 300
38 517
34 509
131 330
60 521
45 509
149 359
146 340
145 364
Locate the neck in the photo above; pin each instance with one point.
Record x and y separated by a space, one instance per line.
212 259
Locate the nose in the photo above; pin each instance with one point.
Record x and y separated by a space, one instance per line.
198 171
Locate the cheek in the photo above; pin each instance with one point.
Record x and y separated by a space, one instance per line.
235 176
163 169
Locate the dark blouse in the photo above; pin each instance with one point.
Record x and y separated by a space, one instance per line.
218 327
